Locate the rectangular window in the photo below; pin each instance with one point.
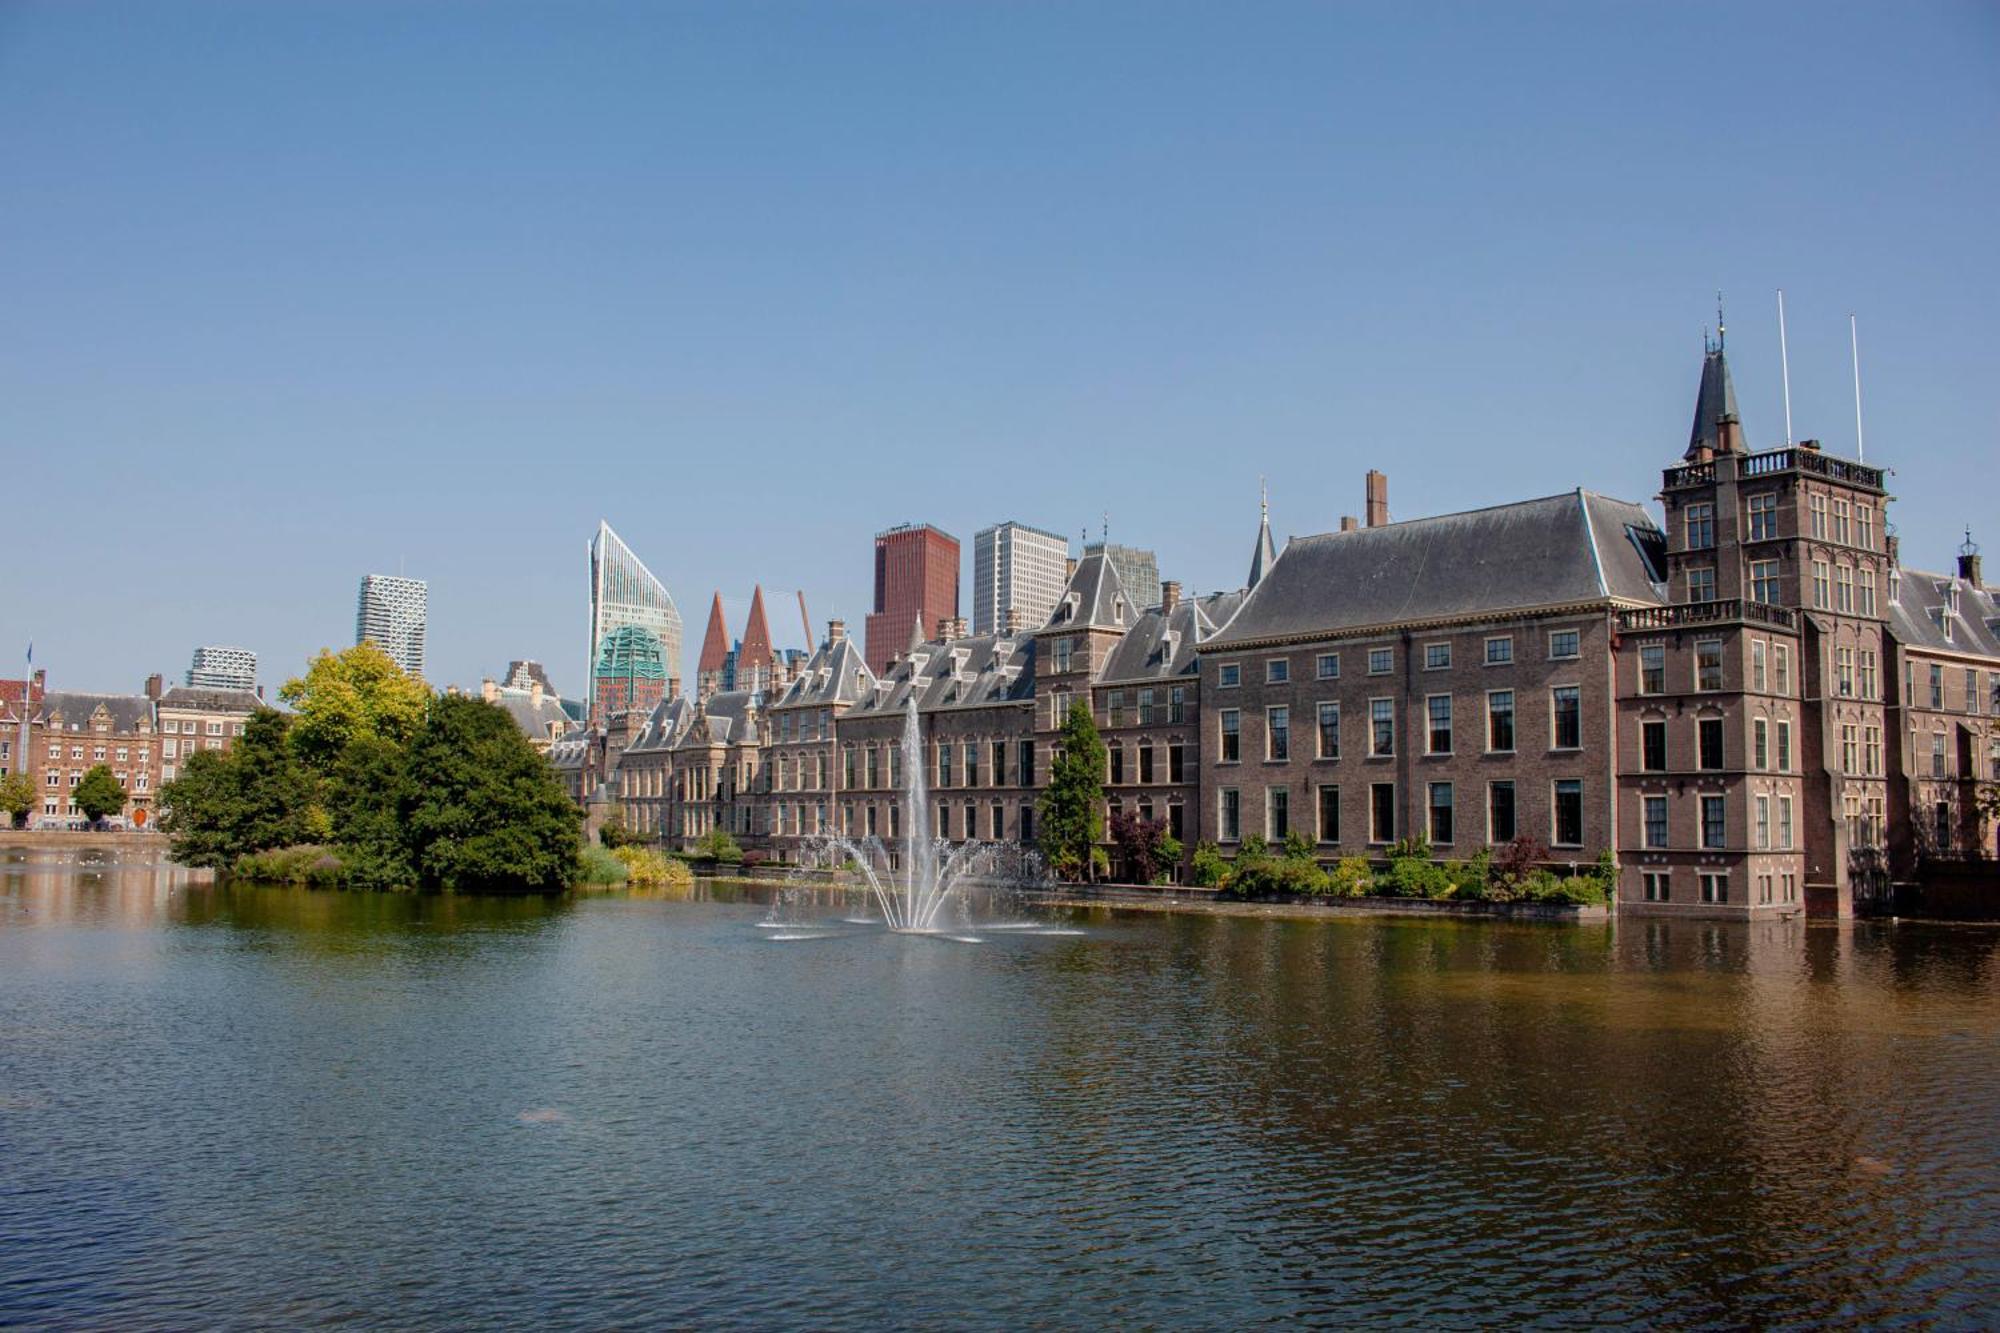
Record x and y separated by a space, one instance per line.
1843 672
1653 746
1709 730
1146 717
1714 888
944 820
1817 507
1784 746
1117 753
1840 511
1652 668
1784 823
1870 684
1843 588
1566 703
971 764
1656 821
1027 819
1971 695
1821 597
1438 709
1763 811
1327 666
1381 661
1176 704
1277 670
1564 643
1114 705
999 764
1381 726
1864 591
1700 527
1228 676
1656 883
1382 812
1500 650
1937 756
1864 527
1937 686
1441 822
1760 744
1781 667
1329 730
1764 517
1278 733
1176 762
1568 814
1764 585
1277 814
1708 664
1230 814
1500 812
1232 722
1329 814
1701 584
1871 752
1499 721
1024 765
1714 825
1145 763
944 753
1437 656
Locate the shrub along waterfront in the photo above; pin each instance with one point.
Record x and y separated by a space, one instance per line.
377 784
1517 874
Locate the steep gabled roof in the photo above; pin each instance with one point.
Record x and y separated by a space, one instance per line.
1163 642
714 643
972 672
1714 400
1922 608
1558 550
836 673
1266 553
1094 599
125 711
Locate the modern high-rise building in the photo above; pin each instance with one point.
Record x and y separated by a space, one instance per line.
1019 570
392 613
223 668
916 586
1138 570
624 592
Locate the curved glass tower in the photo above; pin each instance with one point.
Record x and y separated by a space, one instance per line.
624 592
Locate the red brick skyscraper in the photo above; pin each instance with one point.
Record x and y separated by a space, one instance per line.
916 585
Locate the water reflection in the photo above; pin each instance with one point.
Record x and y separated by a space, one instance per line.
231 1104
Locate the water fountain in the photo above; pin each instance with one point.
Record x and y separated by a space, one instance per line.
925 889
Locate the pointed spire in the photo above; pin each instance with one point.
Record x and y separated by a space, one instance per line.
715 643
756 634
1717 427
1266 553
916 633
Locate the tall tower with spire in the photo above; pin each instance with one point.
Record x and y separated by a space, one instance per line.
712 670
756 663
1266 553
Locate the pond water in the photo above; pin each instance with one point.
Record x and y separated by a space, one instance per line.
259 1106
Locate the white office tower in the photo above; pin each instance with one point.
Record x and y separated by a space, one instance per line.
1016 568
218 668
391 615
624 592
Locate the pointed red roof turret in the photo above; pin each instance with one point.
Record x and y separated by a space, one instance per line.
715 643
756 635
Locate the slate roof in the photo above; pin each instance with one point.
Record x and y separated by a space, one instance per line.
665 725
211 699
1712 402
1095 598
127 710
837 673
725 716
1266 553
1917 614
533 719
1163 643
1575 547
973 672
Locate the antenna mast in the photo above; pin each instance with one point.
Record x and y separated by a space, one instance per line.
1854 341
1785 367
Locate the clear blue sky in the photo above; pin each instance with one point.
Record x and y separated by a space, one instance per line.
293 292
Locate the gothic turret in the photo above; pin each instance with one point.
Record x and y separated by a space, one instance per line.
1717 428
1266 553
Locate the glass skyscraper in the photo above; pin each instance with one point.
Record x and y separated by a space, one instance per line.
392 614
624 592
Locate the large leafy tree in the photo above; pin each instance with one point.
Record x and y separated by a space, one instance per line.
368 796
99 795
349 696
1071 811
17 797
257 796
484 811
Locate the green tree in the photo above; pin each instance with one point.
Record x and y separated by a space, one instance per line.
99 796
346 696
368 799
484 810
719 846
254 798
1071 810
17 798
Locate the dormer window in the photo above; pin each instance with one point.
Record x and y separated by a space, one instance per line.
1951 598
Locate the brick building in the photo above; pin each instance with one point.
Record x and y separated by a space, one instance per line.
73 732
916 587
193 717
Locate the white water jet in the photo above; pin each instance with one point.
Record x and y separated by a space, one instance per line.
922 890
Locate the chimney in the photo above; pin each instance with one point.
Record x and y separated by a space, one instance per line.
958 630
1348 523
1170 596
1729 434
836 631
153 684
1968 561
1378 499
944 627
489 691
1810 446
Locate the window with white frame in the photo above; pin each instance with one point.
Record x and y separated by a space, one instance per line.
1381 661
1500 650
1564 643
1437 656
